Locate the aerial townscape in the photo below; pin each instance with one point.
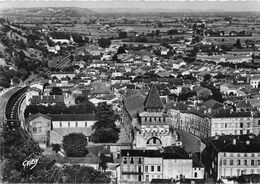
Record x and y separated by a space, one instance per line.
119 96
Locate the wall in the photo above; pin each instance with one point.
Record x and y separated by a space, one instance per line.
173 168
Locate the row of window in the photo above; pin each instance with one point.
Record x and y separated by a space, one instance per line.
239 162
152 168
76 124
150 119
241 154
132 160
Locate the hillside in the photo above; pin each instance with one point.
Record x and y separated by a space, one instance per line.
47 12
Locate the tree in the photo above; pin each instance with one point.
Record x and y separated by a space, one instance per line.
121 50
122 34
75 144
207 77
103 162
56 147
56 91
104 42
105 130
83 174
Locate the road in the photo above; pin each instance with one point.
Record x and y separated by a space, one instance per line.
190 142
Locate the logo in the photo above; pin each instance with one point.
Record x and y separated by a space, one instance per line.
30 164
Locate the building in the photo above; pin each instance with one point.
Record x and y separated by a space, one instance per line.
64 124
155 129
233 156
171 163
193 120
229 122
254 81
39 125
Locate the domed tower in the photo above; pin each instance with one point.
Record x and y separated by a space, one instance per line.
155 127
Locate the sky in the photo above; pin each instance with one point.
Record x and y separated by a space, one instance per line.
194 5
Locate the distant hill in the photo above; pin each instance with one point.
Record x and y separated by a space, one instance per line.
48 12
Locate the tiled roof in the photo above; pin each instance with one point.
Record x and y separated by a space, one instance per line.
213 104
225 144
73 117
34 116
153 98
134 103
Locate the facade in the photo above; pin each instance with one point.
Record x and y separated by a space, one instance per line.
154 129
234 156
146 165
190 121
64 124
226 122
40 127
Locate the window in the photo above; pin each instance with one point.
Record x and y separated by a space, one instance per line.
68 124
40 129
252 154
164 119
245 162
259 122
146 168
145 119
131 160
195 175
231 162
245 154
60 124
225 125
231 154
258 162
125 160
252 162
139 160
76 124
86 124
238 162
241 125
150 119
34 129
147 177
152 168
159 168
224 162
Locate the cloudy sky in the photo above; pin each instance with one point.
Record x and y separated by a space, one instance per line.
194 5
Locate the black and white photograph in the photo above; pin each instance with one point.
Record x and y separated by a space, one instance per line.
130 91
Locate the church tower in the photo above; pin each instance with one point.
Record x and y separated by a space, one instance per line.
155 130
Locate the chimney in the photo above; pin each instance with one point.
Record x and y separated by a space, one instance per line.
216 137
53 96
234 142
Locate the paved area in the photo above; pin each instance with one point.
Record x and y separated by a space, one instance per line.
190 142
123 138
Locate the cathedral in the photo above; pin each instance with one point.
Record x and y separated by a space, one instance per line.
154 129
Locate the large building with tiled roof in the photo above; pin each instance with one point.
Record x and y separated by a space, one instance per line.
233 156
154 129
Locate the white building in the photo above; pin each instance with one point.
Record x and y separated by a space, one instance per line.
226 122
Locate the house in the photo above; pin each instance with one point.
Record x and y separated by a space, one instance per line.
39 126
146 165
60 75
233 156
229 122
64 124
254 81
202 92
32 91
47 100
